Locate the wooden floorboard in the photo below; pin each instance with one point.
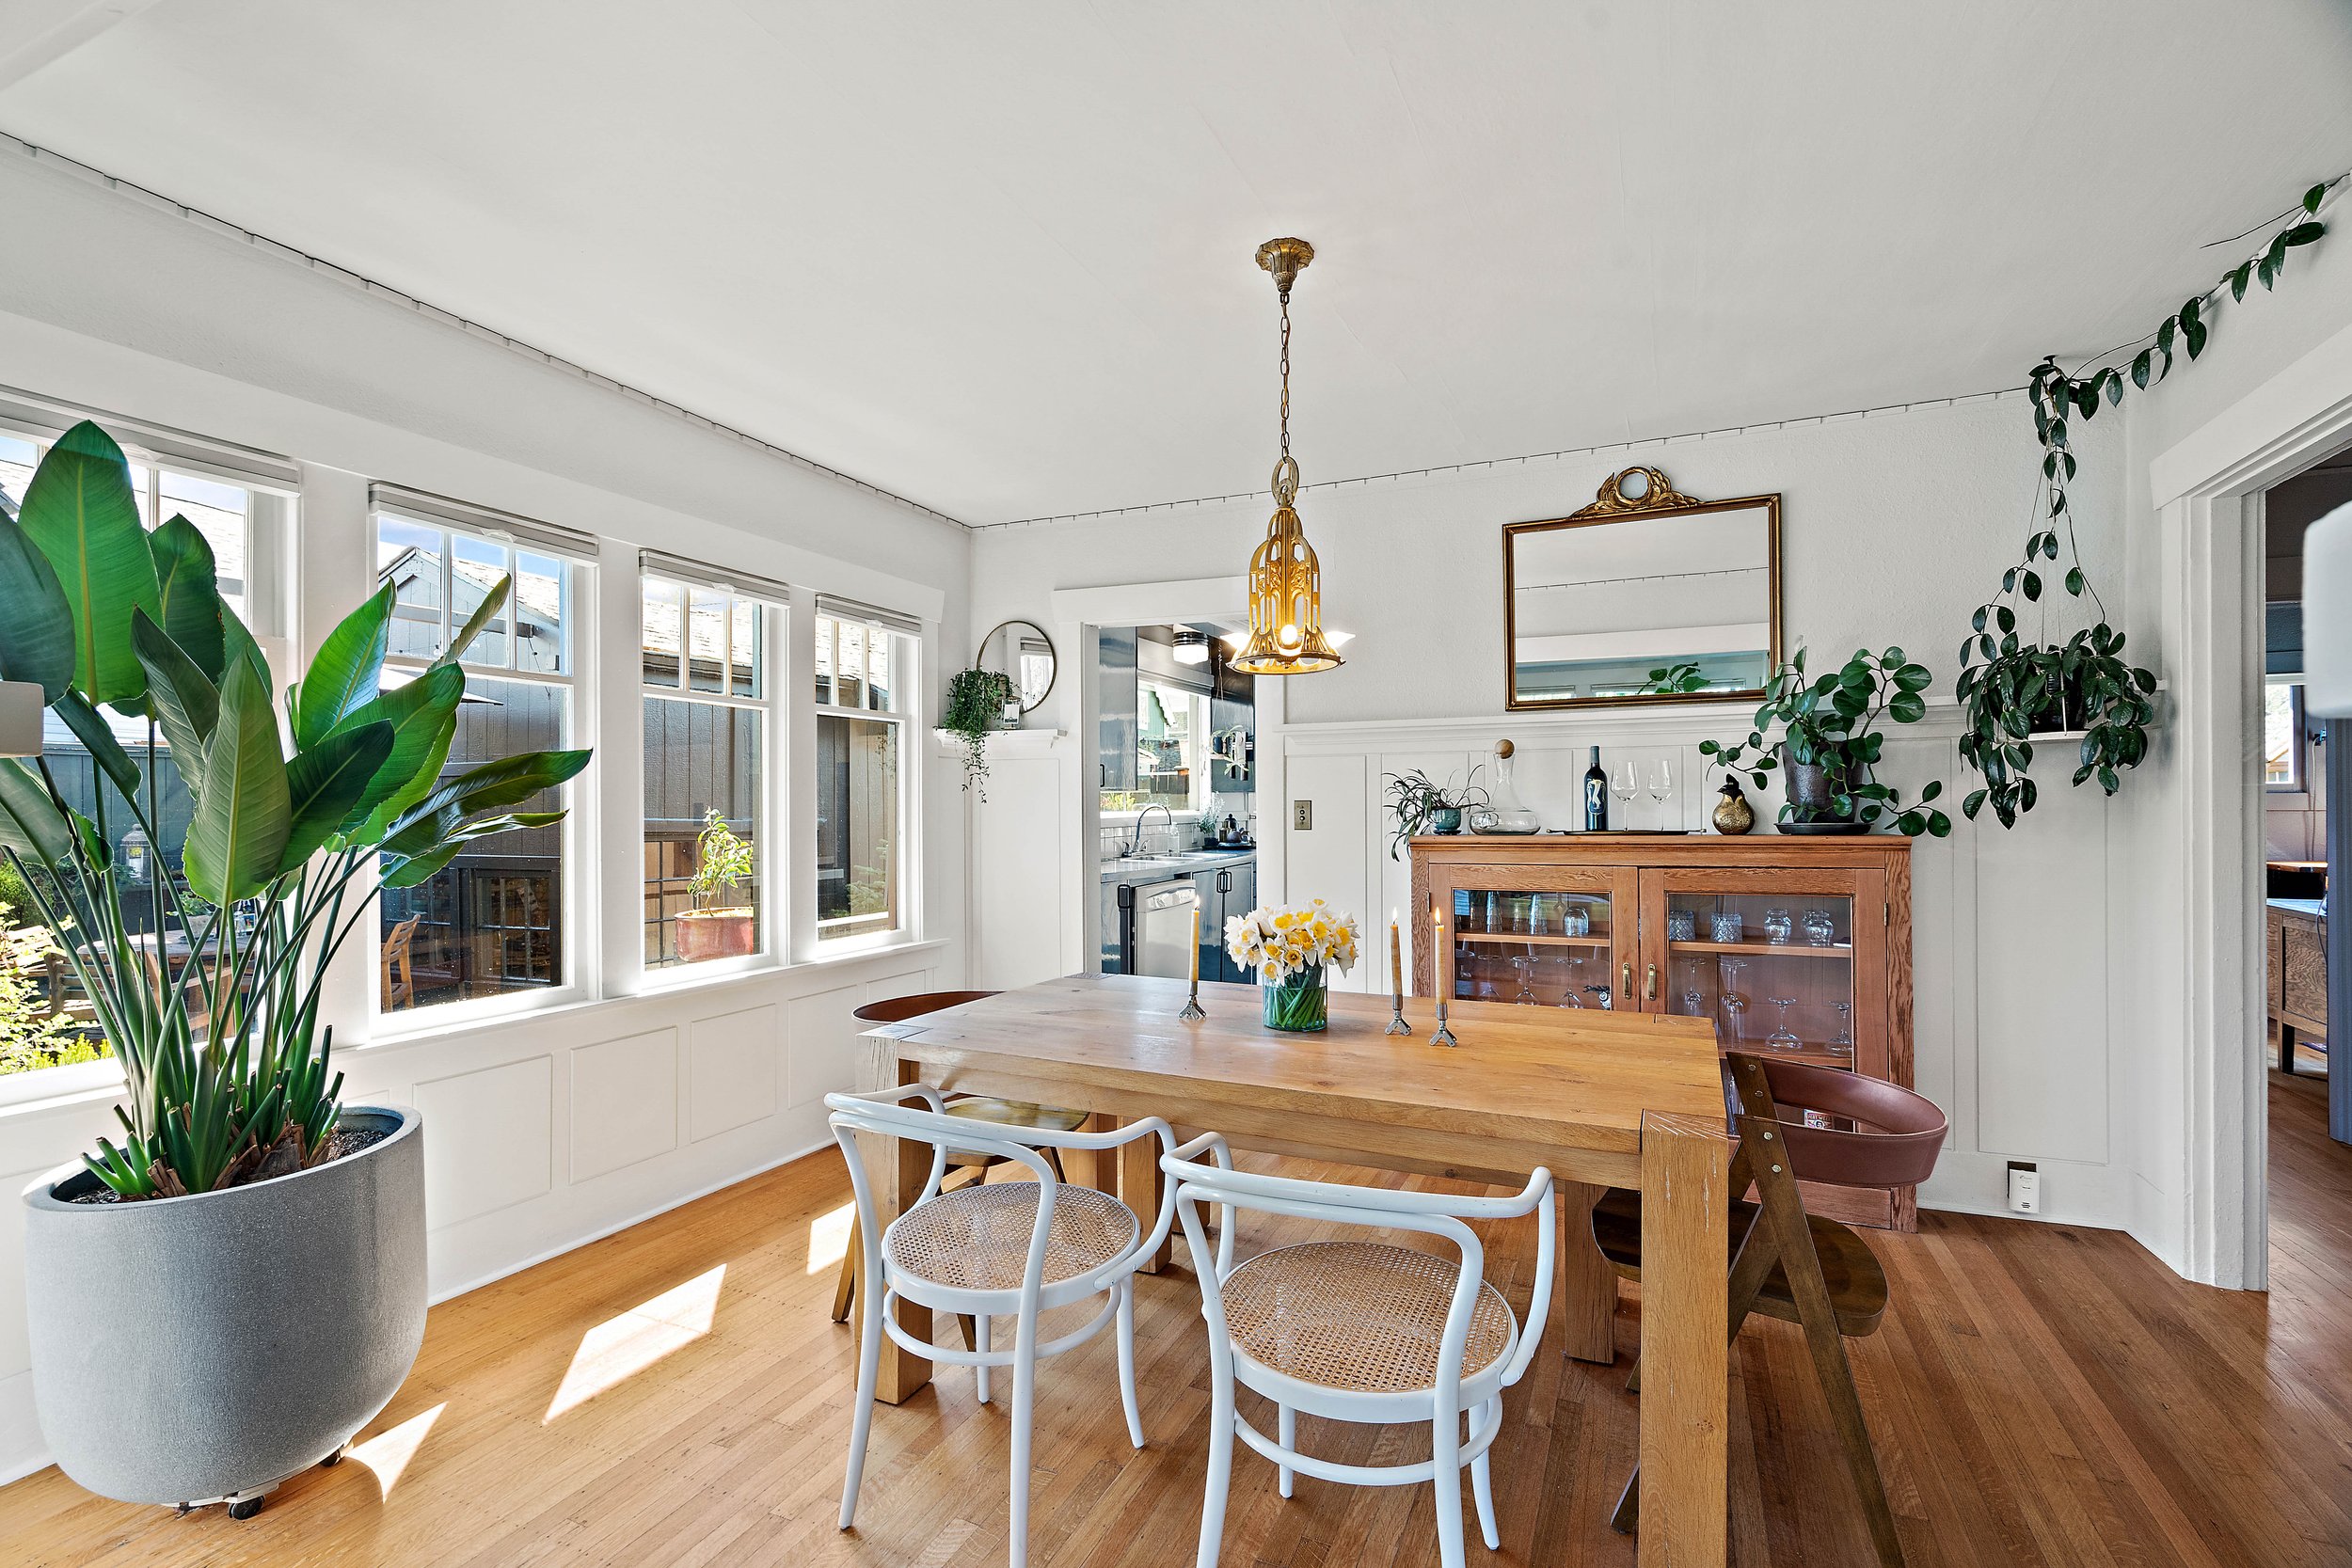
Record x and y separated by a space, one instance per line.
676 1396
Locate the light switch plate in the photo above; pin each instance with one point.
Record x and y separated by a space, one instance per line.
1303 815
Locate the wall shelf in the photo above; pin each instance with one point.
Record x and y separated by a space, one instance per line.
1523 939
1791 949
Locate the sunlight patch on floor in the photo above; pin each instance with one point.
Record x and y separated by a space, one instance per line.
387 1453
620 1348
829 1237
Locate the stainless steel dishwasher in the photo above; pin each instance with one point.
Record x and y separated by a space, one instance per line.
1161 942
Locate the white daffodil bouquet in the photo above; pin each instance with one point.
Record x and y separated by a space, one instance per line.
1281 942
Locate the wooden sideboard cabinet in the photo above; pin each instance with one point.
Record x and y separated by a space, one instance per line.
2296 943
1689 924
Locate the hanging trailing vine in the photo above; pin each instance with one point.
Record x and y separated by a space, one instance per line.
2010 688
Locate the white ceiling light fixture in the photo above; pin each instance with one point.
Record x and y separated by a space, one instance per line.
1192 647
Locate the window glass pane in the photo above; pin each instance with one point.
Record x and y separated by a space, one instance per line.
143 484
848 674
2282 749
540 613
492 920
219 512
880 694
17 458
703 763
475 566
743 644
1167 743
664 624
408 555
705 639
858 874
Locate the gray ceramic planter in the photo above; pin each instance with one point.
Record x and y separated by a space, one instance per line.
197 1347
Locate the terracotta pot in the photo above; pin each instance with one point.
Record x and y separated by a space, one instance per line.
704 934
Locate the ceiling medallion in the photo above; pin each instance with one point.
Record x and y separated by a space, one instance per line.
1286 634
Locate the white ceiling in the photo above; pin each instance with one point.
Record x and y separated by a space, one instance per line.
997 257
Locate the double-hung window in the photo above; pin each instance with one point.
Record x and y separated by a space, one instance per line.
865 664
710 722
492 922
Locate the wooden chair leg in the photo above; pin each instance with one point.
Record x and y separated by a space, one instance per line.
2286 1048
845 1288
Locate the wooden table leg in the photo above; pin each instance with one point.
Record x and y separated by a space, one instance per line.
897 1167
1140 1178
1588 1288
1686 1209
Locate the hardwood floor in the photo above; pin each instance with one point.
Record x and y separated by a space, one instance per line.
676 1395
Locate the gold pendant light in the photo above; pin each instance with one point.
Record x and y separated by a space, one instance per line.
1285 580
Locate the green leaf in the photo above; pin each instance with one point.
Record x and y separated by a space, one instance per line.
2267 271
1906 708
506 782
1976 798
2114 395
189 591
1929 791
2302 233
344 676
423 716
244 811
82 513
2031 583
2139 379
2074 580
2237 280
2312 198
324 785
31 822
36 626
2194 332
495 600
186 705
237 645
90 729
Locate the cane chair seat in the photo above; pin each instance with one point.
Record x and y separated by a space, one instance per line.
1856 1281
978 1238
1359 1316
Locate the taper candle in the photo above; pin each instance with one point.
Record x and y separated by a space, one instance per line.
1396 963
1196 946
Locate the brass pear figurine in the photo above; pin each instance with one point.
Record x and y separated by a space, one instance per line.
1733 815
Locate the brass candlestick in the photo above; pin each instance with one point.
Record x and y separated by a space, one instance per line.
1192 1008
1444 1036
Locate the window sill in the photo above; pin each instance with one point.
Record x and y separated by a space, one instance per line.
53 1087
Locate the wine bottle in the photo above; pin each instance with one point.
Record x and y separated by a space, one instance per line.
1596 796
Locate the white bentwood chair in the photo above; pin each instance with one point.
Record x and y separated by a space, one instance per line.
1359 1331
988 1250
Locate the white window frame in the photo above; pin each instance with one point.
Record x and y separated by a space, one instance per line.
774 905
906 656
2299 747
577 910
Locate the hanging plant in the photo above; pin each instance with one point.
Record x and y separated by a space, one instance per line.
975 706
2010 688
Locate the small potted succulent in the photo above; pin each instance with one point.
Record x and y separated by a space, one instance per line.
1829 745
722 861
1422 805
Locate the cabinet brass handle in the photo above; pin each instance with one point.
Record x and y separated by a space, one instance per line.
1651 985
1626 974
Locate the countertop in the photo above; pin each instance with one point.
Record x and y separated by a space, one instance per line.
1159 868
2315 908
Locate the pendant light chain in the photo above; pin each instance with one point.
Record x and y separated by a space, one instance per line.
1286 373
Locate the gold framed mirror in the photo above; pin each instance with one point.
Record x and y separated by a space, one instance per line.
1645 579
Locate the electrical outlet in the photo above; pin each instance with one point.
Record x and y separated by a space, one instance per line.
2025 1187
1303 815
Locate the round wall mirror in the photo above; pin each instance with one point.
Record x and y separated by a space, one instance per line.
1023 655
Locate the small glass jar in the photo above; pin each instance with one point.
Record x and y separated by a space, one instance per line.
1498 913
1576 920
1778 927
1726 926
1522 913
1470 911
1682 925
1819 929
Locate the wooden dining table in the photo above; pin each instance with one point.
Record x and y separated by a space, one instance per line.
1600 1099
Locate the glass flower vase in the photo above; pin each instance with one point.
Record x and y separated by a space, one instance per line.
1300 1003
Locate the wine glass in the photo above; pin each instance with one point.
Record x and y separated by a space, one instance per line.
1524 965
1783 1037
1622 785
1843 1044
1661 784
1574 994
1734 1002
1694 1003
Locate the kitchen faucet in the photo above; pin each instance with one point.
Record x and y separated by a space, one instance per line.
1134 845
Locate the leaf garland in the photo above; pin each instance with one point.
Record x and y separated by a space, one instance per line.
2006 684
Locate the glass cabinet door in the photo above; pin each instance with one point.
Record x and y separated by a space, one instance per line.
1548 947
1775 970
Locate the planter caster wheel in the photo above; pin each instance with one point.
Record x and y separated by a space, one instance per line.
334 1459
246 1508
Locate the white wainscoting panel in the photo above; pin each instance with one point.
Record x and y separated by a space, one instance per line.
731 1071
624 1102
489 1139
1017 929
822 1054
1329 860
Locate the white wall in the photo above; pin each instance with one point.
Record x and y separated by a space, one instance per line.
1894 528
543 1131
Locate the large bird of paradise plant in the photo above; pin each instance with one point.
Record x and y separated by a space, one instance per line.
215 1018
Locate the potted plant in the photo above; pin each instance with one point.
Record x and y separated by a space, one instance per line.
1422 805
1287 949
1829 745
975 706
231 1292
721 861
